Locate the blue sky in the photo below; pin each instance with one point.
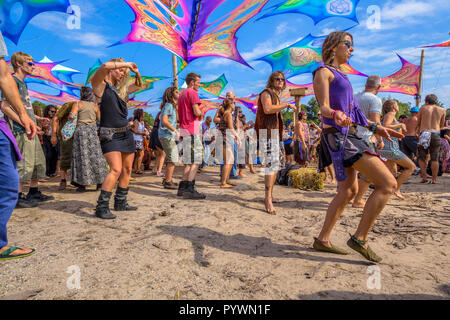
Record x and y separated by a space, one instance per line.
405 25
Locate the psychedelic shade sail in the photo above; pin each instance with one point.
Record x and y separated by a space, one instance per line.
215 87
53 75
305 56
192 37
442 45
317 10
60 99
405 81
15 14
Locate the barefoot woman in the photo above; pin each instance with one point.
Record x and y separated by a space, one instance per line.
117 142
335 96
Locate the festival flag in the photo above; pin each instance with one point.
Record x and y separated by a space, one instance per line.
12 23
192 37
405 80
317 10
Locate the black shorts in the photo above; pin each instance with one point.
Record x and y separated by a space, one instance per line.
289 150
121 142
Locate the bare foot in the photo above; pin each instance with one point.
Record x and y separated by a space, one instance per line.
269 206
435 182
252 171
424 181
358 204
399 195
243 176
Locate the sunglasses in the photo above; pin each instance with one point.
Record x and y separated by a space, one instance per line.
348 43
31 64
279 79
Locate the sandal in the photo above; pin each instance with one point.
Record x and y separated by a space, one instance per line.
357 245
8 256
227 186
319 246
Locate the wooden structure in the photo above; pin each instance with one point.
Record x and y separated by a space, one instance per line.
298 94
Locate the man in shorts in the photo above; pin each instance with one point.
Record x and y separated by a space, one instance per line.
9 154
371 106
431 121
190 115
33 166
409 143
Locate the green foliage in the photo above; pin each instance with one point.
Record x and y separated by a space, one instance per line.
447 113
312 110
287 115
403 108
39 104
149 119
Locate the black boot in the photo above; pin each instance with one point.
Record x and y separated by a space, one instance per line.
191 193
102 211
120 200
182 188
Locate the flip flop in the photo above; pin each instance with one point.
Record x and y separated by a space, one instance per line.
319 246
8 256
357 245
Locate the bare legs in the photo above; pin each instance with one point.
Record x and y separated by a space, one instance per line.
170 168
385 184
160 156
120 169
269 182
228 160
408 169
138 161
434 170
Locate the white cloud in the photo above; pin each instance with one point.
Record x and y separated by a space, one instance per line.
91 52
90 39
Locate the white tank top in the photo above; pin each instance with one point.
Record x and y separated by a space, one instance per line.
138 137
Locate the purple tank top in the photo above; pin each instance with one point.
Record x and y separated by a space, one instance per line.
341 98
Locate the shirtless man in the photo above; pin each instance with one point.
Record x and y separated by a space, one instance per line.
431 120
409 143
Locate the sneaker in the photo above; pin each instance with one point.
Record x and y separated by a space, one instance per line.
39 197
24 203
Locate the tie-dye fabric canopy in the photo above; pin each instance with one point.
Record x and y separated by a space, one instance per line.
442 45
193 36
305 56
54 75
215 87
60 99
405 80
148 82
317 10
15 14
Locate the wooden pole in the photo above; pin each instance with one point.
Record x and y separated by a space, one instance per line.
297 94
174 57
419 92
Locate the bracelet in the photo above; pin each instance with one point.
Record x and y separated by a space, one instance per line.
333 114
373 127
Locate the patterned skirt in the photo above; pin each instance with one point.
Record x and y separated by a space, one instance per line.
89 166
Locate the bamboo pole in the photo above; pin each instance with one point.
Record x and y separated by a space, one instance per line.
419 92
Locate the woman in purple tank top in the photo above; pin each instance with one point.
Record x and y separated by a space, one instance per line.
349 152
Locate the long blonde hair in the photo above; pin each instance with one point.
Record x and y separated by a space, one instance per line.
122 85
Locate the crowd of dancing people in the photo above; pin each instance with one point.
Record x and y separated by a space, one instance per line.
358 142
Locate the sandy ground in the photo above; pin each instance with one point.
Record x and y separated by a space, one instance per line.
226 247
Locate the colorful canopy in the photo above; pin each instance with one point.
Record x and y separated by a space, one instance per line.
305 56
60 99
442 45
317 10
54 75
215 87
405 81
192 37
15 14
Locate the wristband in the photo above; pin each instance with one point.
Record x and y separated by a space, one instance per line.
333 114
